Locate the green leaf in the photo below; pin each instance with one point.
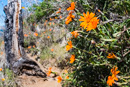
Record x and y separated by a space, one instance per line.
117 34
109 40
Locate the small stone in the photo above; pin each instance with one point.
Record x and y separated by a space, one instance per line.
52 75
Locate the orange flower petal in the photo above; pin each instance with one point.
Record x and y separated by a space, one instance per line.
48 37
3 79
29 47
75 34
72 59
52 50
67 77
89 21
111 56
36 34
0 69
23 7
72 7
59 79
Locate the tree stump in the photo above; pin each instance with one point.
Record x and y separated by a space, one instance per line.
14 42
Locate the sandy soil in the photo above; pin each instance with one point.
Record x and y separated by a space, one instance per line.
33 81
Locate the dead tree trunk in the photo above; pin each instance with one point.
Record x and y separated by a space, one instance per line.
14 42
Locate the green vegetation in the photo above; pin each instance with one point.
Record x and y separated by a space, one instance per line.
8 78
40 11
97 48
92 65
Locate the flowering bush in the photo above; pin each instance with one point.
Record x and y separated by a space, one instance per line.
99 45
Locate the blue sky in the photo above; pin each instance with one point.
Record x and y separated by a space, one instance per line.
4 2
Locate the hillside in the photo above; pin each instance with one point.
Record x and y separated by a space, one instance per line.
76 43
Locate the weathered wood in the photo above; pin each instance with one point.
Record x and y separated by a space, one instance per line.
14 42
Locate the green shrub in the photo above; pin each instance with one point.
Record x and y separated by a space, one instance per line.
92 66
10 79
39 11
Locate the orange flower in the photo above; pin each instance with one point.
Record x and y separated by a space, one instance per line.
65 71
23 7
89 20
50 23
67 77
93 24
87 17
44 24
2 53
72 7
69 18
48 37
36 34
58 11
50 29
55 17
33 46
0 69
49 68
113 71
25 35
37 42
2 42
99 10
3 79
59 79
75 34
112 78
69 46
60 16
49 71
72 59
29 47
50 19
52 50
33 24
111 56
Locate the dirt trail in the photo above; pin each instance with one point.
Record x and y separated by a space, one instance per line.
33 81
